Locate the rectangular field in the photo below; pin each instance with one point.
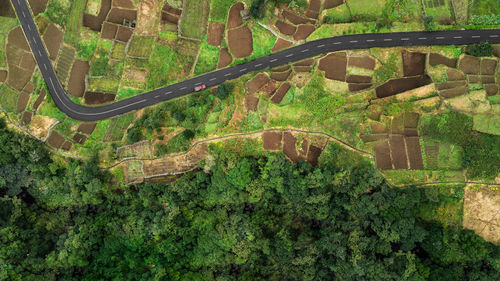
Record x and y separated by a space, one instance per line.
398 152
117 127
74 22
194 22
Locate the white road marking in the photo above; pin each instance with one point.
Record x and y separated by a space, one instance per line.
184 88
405 39
257 65
168 93
439 37
212 79
303 51
199 83
52 83
476 36
370 40
336 43
321 46
457 37
40 53
493 36
387 39
24 15
44 65
422 38
18 3
353 41
273 60
287 56
29 27
157 96
243 69
225 75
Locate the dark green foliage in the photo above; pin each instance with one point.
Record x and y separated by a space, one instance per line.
257 9
481 151
58 11
224 90
483 49
134 135
429 23
100 65
179 116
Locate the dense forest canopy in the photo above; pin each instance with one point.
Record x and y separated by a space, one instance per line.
238 218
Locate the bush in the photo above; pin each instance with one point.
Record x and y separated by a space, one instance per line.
483 49
257 9
224 90
134 135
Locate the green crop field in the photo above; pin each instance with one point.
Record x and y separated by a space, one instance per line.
194 22
167 66
207 61
74 22
366 9
7 24
117 127
8 98
141 46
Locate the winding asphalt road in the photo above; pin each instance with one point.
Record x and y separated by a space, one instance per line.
306 50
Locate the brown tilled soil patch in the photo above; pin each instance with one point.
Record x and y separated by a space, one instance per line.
127 4
488 66
332 3
302 68
251 102
454 75
473 78
87 128
240 41
257 82
79 138
399 85
3 75
450 85
95 22
18 77
67 145
414 153
487 79
281 44
268 88
372 138
22 101
285 28
398 125
313 155
469 64
225 58
411 119
281 68
124 33
280 93
303 31
455 92
303 149
382 155
215 33
94 98
413 63
496 50
117 15
335 66
109 30
312 14
289 147
16 38
314 5
76 85
410 132
491 89
39 100
173 19
359 87
307 62
38 6
398 152
172 10
272 140
437 59
378 128
481 212
29 88
280 76
359 79
28 62
53 38
148 17
27 117
55 140
6 9
296 19
234 18
362 62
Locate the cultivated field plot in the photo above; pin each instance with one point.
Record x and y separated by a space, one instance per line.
194 20
117 127
141 46
440 10
482 212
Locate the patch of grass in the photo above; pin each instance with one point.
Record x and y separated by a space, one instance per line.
8 98
367 10
58 11
195 18
387 70
118 52
179 143
100 130
7 24
127 93
263 41
117 127
340 14
441 13
104 85
219 9
87 44
489 124
49 108
166 66
74 22
486 7
141 46
207 60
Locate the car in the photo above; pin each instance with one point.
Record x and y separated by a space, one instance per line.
199 88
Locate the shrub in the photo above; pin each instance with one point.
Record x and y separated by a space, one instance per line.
224 90
483 49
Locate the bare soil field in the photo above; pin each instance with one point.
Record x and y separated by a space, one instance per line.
280 76
289 149
411 119
469 64
269 88
76 84
234 19
109 30
295 19
251 102
281 68
362 62
149 17
126 4
332 3
451 85
454 75
18 77
473 78
314 5
16 38
40 125
39 100
414 153
117 15
6 9
124 33
307 62
491 89
94 98
172 10
225 58
280 93
281 44
312 14
28 62
431 154
455 92
377 128
240 42
257 82
398 152
358 79
437 59
313 155
382 155
334 65
487 79
79 138
410 133
358 87
95 22
413 63
3 75
488 66
399 85
302 68
303 31
55 139
53 38
398 125
67 145
22 101
38 6
272 140
481 212
285 28
26 119
215 33
87 128
374 138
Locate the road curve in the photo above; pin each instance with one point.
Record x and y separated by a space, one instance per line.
306 50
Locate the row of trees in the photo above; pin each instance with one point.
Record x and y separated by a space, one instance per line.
239 218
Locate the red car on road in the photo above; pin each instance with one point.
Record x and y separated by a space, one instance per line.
199 88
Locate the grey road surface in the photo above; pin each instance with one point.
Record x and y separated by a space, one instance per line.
306 50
